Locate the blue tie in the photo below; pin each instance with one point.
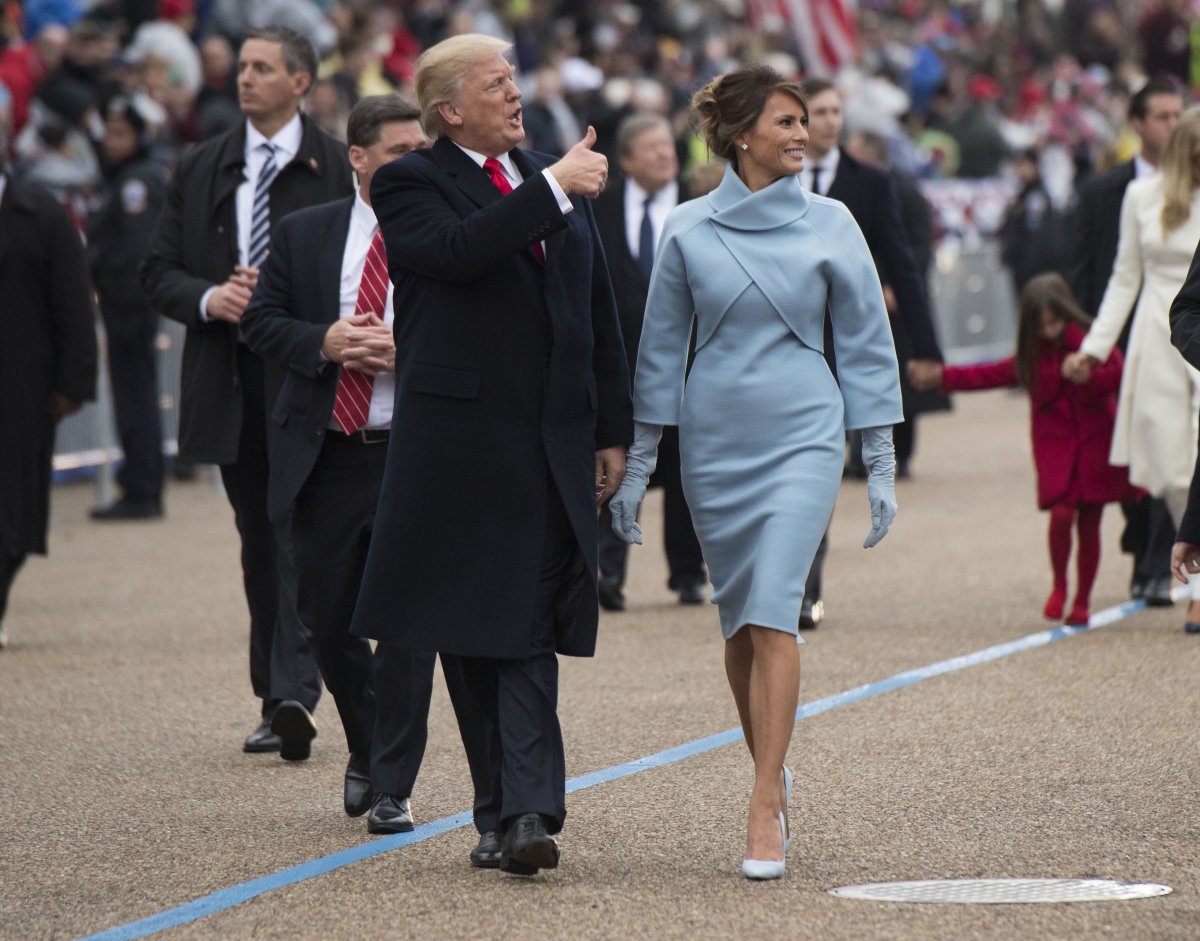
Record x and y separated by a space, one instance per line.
646 240
260 214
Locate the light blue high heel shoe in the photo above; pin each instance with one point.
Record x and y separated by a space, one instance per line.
765 868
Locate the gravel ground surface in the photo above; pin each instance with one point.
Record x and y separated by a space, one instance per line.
124 698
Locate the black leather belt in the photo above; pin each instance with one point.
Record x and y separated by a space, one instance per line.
362 436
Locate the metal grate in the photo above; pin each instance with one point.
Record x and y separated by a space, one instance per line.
1001 891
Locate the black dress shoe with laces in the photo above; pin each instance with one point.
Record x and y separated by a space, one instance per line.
130 508
356 793
390 814
1158 592
528 847
296 729
486 854
262 739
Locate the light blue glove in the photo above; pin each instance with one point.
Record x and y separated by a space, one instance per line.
639 465
880 460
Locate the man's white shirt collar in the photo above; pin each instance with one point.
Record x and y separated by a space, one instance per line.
363 216
286 140
505 160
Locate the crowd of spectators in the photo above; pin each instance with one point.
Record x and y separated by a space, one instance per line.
958 88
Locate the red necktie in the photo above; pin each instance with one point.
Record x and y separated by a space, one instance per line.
353 402
500 181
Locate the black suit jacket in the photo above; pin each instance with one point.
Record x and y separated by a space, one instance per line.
1095 229
630 286
195 247
1185 336
871 197
510 375
296 300
47 345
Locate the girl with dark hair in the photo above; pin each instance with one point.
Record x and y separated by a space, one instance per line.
1072 428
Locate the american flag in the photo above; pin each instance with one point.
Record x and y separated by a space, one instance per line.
825 30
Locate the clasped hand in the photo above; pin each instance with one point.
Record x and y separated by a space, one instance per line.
1077 367
362 342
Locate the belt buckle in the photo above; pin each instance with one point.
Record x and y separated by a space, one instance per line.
372 435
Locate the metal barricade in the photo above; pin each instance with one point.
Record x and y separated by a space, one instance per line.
974 305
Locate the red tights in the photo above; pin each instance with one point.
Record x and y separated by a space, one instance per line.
1086 518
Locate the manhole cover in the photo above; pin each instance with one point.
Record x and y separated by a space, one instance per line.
996 891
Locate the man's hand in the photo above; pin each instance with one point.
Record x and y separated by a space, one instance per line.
582 170
371 349
610 469
1185 560
1077 367
924 374
228 302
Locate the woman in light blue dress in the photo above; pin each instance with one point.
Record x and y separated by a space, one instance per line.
755 266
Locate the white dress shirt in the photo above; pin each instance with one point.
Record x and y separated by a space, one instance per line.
287 144
363 227
829 167
1142 168
635 198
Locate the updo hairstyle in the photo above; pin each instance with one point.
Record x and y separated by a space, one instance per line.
729 105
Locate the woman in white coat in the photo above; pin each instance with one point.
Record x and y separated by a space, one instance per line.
1156 424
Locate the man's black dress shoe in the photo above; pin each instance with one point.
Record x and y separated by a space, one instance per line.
262 739
356 793
296 729
609 592
1158 592
527 847
389 815
691 593
812 613
486 854
1137 589
130 508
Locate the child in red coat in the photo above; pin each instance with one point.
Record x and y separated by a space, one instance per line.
1072 427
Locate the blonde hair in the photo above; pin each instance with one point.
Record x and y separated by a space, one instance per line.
442 69
1180 170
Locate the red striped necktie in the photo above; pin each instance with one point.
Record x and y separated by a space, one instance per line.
353 401
500 181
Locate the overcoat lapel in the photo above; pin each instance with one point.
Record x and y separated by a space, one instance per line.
467 176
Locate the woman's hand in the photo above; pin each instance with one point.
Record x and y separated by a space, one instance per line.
880 460
1185 560
624 506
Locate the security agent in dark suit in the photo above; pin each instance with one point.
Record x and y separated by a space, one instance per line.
871 198
629 217
322 308
511 421
201 270
118 235
1095 227
47 359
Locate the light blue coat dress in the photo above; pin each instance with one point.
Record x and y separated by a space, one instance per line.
761 418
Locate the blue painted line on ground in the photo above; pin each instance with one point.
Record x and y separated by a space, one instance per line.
224 899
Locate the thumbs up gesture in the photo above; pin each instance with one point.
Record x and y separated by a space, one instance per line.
582 170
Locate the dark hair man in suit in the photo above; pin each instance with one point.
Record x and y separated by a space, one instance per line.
1095 227
871 197
511 420
323 310
201 269
630 217
47 358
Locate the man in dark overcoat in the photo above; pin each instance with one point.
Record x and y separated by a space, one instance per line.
47 359
511 420
200 270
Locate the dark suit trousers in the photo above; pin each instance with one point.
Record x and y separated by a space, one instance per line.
281 663
685 562
520 697
1148 536
9 566
133 369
